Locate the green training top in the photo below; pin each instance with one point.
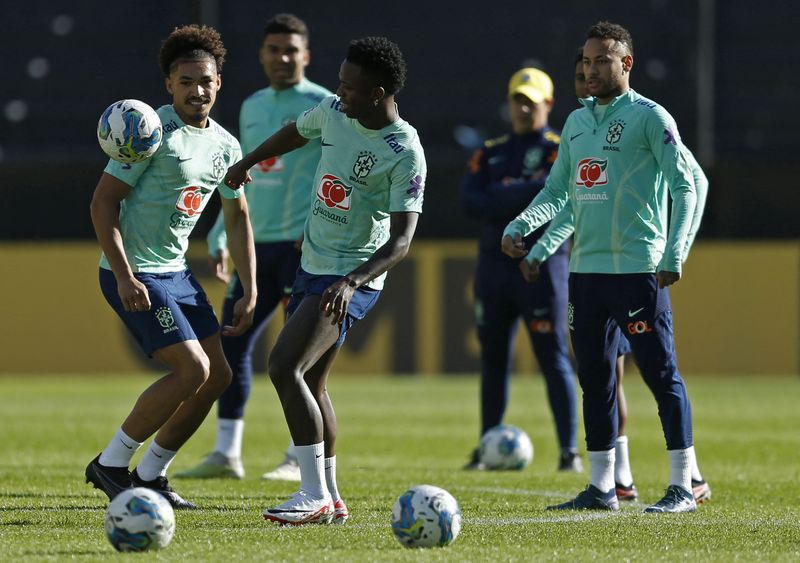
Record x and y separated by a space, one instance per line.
561 227
170 190
616 173
281 190
362 177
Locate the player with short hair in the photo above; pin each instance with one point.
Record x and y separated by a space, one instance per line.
620 159
368 196
278 197
559 230
502 178
143 214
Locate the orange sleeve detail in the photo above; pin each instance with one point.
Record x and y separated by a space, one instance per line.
475 162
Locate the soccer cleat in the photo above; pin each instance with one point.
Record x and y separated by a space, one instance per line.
302 509
474 463
110 480
624 493
590 498
340 512
161 485
701 491
570 461
215 466
676 499
287 470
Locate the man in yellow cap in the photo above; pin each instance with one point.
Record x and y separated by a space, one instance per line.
501 179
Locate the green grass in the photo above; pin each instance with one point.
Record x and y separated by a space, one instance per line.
398 432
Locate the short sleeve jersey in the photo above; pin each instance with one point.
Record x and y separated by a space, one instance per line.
170 190
363 176
280 192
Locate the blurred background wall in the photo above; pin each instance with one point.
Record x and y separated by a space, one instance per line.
724 71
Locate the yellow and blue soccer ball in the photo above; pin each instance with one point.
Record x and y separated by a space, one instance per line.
426 516
139 519
506 447
129 131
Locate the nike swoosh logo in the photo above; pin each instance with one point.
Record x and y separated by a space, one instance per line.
126 445
158 456
576 136
634 313
318 456
324 144
539 312
184 159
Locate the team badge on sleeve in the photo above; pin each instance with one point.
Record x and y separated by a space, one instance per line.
417 187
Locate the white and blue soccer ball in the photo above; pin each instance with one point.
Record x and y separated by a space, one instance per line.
426 516
139 519
506 447
129 131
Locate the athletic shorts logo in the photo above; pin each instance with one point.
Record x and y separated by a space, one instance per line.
274 164
334 193
638 327
591 172
191 201
165 319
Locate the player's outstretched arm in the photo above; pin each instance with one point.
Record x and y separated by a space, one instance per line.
104 209
337 297
242 249
284 140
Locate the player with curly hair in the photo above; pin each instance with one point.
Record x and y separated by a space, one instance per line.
143 214
367 199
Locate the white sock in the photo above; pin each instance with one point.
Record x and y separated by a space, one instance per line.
290 450
680 467
312 469
330 477
155 462
622 465
602 464
696 476
229 437
120 450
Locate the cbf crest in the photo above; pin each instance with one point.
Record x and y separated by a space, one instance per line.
165 319
364 163
615 131
218 167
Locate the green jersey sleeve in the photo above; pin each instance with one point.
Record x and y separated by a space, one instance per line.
701 187
560 229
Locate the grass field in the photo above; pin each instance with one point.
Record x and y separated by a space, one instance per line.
398 432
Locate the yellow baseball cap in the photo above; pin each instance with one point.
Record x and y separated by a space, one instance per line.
532 83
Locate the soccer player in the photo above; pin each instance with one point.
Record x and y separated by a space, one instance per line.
143 215
559 230
368 196
620 156
502 179
279 198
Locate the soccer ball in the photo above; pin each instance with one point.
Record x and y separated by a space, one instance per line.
139 519
129 131
426 516
506 447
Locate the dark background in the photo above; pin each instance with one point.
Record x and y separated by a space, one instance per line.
63 63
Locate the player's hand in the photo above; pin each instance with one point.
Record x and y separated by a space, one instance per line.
219 266
666 278
237 176
134 295
298 244
243 311
514 247
335 300
530 270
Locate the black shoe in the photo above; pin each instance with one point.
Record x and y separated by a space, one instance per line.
161 486
590 499
111 480
475 463
570 461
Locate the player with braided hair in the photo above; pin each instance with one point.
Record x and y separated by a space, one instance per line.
143 214
367 200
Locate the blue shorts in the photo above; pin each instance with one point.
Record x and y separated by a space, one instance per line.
179 309
306 284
